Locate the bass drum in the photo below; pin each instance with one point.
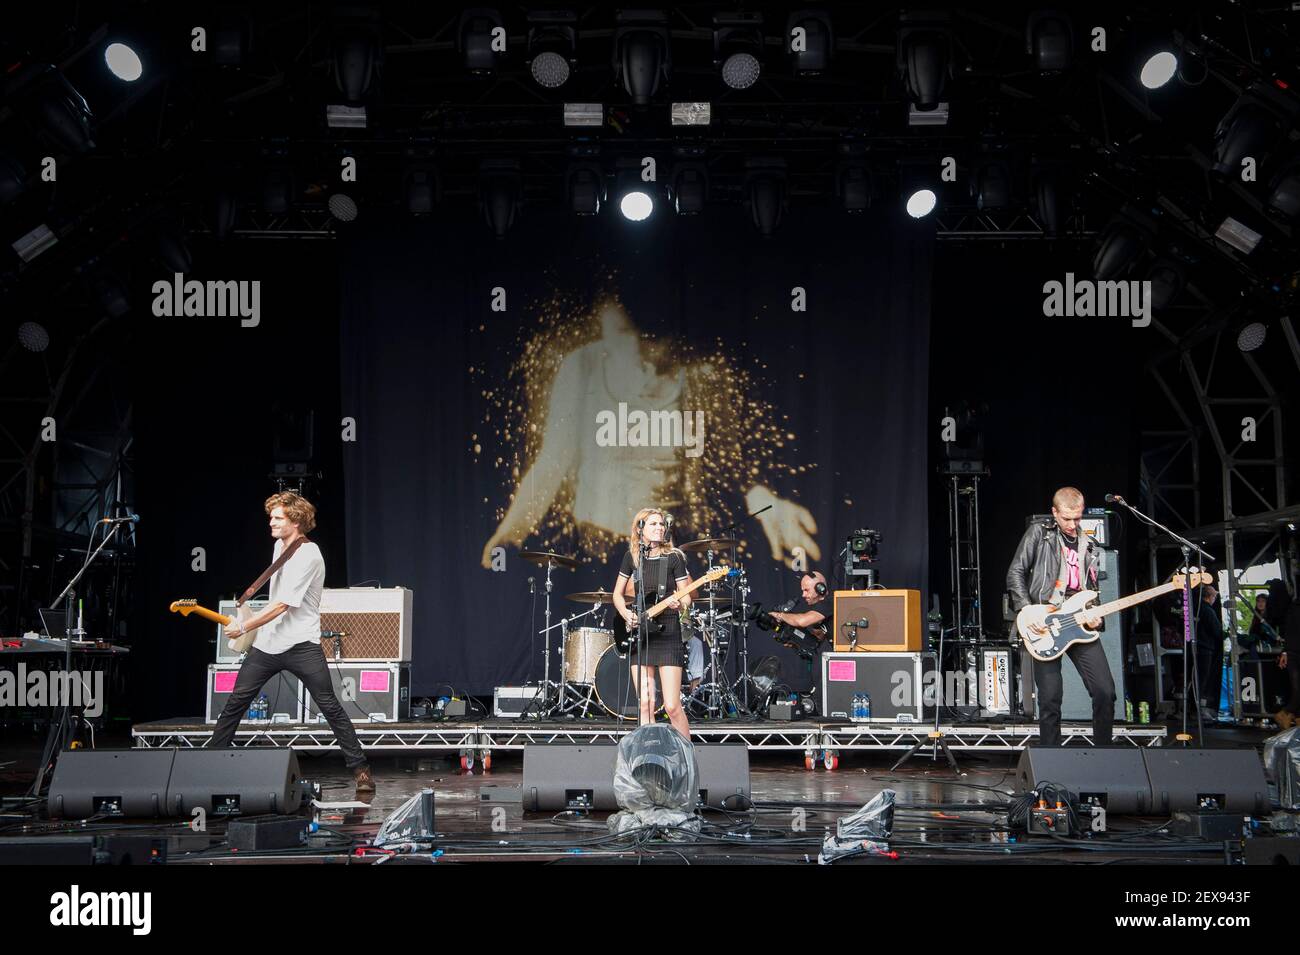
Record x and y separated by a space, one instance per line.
614 690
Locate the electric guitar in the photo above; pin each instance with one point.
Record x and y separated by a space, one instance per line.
1065 623
239 644
651 612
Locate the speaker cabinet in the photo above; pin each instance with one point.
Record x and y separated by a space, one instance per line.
562 776
116 783
375 623
1116 776
892 618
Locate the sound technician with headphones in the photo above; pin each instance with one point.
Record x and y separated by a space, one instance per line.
664 572
811 611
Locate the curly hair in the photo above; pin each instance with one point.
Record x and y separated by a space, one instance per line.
297 509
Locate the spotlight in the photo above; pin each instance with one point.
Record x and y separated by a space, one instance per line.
423 188
636 198
1049 39
584 114
853 186
51 102
552 40
342 207
358 54
991 184
812 48
1121 244
1250 128
767 193
921 203
474 38
738 48
33 336
123 62
924 58
1168 278
1158 70
584 184
690 188
1251 336
33 243
1238 235
500 193
642 53
1283 192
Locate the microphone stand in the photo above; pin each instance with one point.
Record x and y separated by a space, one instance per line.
642 630
742 588
1190 642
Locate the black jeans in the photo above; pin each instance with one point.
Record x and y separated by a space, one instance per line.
307 663
1090 660
1209 671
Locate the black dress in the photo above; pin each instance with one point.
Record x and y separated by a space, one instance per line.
662 576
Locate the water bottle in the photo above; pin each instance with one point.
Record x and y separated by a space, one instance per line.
263 705
866 708
857 708
252 710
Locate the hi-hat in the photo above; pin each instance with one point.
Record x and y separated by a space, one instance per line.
709 543
591 597
545 557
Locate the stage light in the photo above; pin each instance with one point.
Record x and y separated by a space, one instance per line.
13 178
1238 235
817 41
35 242
1284 192
921 203
1158 70
584 114
500 194
342 207
551 44
1249 129
934 117
33 336
636 205
1167 278
991 185
422 187
357 54
1049 39
642 53
474 34
738 48
338 116
690 188
50 101
1121 244
123 62
1251 336
692 114
112 297
584 183
767 193
1048 198
853 186
924 54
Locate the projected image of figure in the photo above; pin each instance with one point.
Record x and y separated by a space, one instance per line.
628 419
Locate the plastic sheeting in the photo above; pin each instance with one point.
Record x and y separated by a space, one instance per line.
1282 766
866 831
656 781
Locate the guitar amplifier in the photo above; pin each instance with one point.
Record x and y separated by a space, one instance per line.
369 692
896 683
283 693
228 608
892 618
375 624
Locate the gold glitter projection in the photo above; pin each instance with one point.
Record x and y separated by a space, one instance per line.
597 418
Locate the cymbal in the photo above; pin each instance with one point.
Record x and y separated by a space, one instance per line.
591 597
709 543
702 601
545 557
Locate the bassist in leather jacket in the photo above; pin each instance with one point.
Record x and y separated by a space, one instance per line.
1046 569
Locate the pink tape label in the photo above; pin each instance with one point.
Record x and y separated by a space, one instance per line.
224 681
842 671
374 681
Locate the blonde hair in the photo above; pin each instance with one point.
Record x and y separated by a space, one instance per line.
1067 497
297 509
634 537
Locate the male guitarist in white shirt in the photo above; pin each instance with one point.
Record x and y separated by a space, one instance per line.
1052 562
289 637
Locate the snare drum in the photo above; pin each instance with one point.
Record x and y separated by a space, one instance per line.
582 650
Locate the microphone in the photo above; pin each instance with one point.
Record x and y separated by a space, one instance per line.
128 519
1113 498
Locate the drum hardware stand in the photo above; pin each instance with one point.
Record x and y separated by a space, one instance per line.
548 706
716 690
560 706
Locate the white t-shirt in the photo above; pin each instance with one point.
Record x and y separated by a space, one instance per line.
297 585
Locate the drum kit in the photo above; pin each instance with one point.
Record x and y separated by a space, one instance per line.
595 669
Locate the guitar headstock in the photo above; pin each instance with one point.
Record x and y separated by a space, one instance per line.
719 572
1179 580
184 607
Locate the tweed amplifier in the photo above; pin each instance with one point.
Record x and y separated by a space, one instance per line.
373 623
882 620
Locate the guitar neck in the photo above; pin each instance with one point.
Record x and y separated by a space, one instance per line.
212 615
1132 600
662 605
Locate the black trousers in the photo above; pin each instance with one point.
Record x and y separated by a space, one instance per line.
1090 660
1209 671
307 663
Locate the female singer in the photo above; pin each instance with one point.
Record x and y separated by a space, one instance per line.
664 573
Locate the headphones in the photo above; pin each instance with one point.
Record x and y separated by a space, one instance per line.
819 586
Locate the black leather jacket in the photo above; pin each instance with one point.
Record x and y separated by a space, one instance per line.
1032 575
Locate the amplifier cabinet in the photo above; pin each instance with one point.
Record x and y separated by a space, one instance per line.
283 693
893 620
897 683
369 692
375 623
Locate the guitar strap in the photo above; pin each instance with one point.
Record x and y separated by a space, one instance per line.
1063 575
270 571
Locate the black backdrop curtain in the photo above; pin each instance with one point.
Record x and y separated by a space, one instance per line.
535 391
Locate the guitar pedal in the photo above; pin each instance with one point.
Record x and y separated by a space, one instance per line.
1051 820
